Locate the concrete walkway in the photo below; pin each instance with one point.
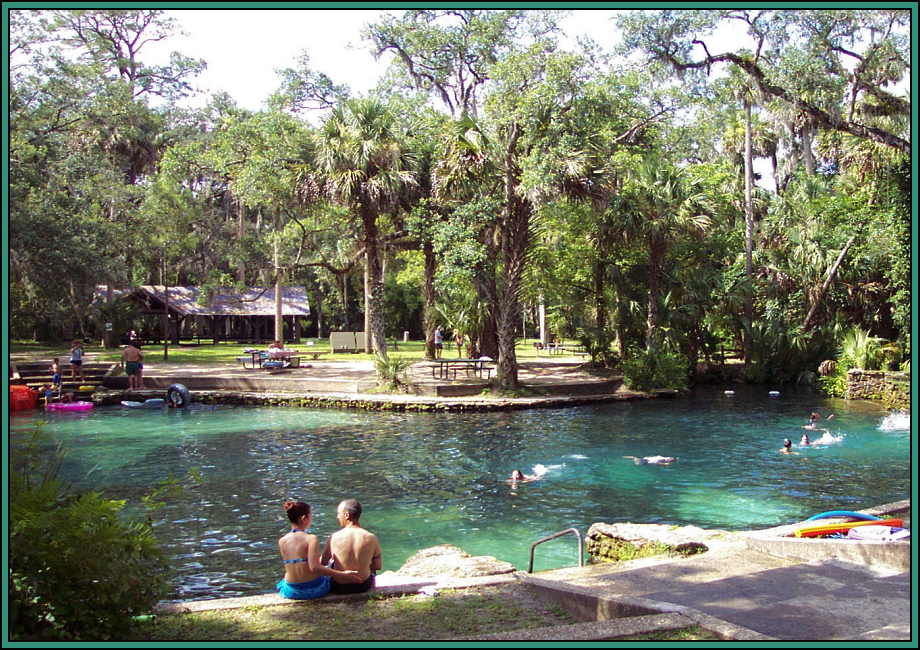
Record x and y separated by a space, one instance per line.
775 597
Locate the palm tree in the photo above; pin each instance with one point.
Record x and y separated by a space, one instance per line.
659 202
362 156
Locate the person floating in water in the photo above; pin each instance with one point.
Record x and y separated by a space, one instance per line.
805 441
652 460
517 476
787 447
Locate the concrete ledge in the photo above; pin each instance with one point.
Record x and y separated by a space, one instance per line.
388 584
614 613
879 557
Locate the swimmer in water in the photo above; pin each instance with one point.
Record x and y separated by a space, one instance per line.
811 421
652 460
787 447
805 441
517 476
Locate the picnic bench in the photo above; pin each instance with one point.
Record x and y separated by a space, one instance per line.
259 358
441 368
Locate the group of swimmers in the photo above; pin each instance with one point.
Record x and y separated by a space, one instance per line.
347 565
805 441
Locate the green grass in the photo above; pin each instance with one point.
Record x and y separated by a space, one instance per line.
226 352
453 613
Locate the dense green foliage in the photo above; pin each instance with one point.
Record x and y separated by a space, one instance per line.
646 369
492 172
78 569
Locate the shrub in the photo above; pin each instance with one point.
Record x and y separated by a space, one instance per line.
656 368
391 372
78 569
597 342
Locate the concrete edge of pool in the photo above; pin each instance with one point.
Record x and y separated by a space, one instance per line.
608 615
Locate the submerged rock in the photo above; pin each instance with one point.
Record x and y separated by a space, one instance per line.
449 561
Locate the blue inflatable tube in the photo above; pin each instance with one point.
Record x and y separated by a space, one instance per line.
844 513
177 396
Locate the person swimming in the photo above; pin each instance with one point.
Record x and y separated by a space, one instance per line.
787 447
517 476
805 441
652 460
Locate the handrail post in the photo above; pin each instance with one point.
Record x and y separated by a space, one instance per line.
581 554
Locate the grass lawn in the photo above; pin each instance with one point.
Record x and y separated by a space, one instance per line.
452 613
226 352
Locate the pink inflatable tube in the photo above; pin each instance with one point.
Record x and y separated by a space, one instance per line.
69 406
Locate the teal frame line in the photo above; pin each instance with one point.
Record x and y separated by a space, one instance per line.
249 5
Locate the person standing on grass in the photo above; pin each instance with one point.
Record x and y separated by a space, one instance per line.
352 547
438 342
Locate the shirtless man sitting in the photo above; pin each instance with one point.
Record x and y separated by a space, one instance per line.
352 549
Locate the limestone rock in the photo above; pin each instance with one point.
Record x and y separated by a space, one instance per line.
602 539
449 561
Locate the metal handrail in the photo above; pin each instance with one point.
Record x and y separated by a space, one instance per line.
581 554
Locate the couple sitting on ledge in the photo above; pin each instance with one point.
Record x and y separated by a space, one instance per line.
347 565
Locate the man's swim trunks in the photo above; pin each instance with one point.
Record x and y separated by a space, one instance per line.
353 588
131 367
304 590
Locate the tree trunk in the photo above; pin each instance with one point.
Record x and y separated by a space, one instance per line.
748 235
367 309
279 323
827 282
240 234
515 238
428 311
543 333
375 282
600 302
655 260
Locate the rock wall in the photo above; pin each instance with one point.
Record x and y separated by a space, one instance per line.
892 388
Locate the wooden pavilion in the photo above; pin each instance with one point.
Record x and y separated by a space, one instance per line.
225 314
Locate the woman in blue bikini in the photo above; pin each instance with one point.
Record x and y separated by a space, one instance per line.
304 575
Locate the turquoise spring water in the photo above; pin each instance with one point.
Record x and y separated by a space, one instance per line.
440 478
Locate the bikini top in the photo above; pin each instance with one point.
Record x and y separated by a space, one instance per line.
296 559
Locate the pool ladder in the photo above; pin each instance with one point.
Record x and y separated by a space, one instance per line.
574 531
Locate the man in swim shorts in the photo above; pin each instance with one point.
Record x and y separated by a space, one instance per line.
352 548
132 358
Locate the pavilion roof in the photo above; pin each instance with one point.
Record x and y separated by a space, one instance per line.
189 301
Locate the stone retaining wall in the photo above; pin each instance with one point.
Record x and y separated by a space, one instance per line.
892 388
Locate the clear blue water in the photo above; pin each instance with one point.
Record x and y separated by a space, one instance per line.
441 478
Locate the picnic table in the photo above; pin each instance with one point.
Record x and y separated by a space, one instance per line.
258 358
443 367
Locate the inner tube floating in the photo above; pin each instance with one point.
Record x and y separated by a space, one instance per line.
773 393
69 406
177 396
155 402
729 392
